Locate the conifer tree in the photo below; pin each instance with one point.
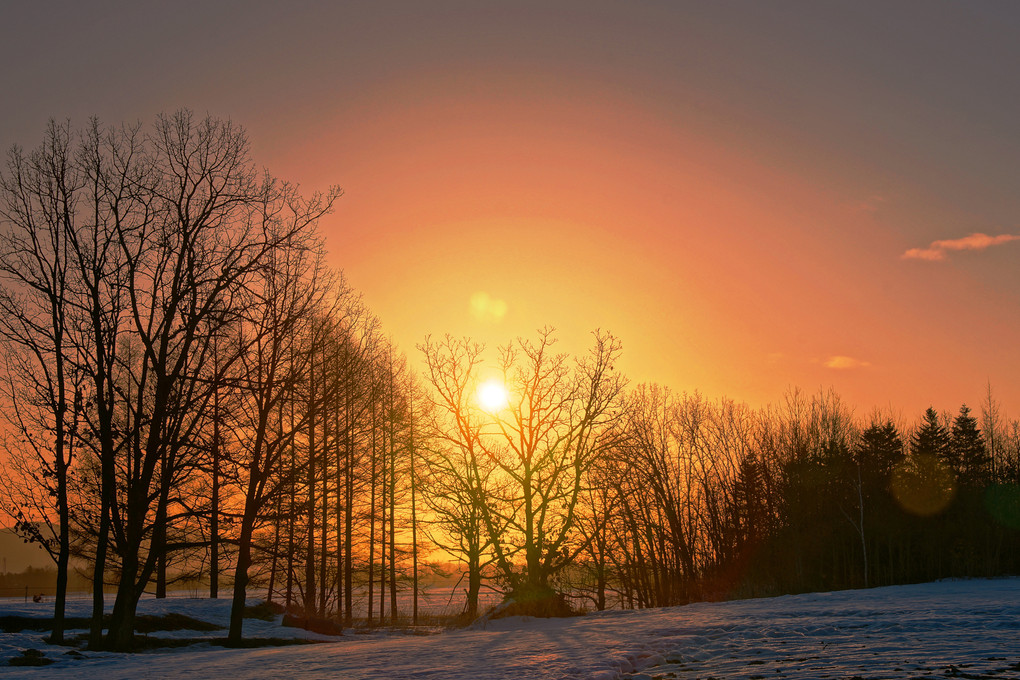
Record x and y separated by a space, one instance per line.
749 503
968 452
932 439
878 452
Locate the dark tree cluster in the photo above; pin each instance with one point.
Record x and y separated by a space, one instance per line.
187 389
711 500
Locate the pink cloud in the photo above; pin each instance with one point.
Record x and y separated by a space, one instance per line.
936 252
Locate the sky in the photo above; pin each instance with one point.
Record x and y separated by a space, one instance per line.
752 196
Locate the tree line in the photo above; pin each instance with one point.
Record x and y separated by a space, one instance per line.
188 391
712 500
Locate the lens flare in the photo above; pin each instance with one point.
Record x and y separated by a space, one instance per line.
924 486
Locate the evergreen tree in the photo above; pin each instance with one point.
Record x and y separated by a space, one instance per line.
968 453
932 439
878 452
750 514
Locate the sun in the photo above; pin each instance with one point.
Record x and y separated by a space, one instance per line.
493 396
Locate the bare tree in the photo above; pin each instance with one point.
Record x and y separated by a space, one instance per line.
558 421
456 472
285 296
42 388
200 221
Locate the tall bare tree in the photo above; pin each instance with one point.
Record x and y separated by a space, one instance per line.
456 472
42 389
286 295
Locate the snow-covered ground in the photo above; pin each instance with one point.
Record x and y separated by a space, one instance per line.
968 629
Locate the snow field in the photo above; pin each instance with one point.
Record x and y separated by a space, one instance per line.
954 628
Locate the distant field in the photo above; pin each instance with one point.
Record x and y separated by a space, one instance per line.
439 600
17 556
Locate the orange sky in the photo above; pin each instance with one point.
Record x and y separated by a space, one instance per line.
729 189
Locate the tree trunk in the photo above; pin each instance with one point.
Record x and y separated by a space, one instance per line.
234 634
57 635
349 524
292 496
99 578
120 637
274 565
214 517
474 583
414 519
107 491
393 503
338 509
159 535
279 513
372 517
382 530
310 529
324 533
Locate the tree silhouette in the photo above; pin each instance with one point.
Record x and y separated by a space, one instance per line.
932 439
968 454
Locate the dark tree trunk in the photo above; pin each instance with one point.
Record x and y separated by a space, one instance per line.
414 518
393 500
234 634
324 532
474 583
292 496
107 489
159 537
57 635
393 535
120 637
214 510
372 514
349 530
310 529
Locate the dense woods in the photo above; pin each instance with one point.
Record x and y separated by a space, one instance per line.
189 392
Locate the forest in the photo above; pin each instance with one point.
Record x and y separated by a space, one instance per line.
190 392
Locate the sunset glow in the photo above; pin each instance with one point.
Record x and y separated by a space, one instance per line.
719 188
415 317
493 396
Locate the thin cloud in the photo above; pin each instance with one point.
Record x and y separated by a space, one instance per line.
842 363
870 206
937 251
486 308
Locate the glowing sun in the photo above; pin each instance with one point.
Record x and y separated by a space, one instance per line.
492 396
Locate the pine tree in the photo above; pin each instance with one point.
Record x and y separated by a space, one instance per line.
748 509
879 451
931 439
931 468
968 452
